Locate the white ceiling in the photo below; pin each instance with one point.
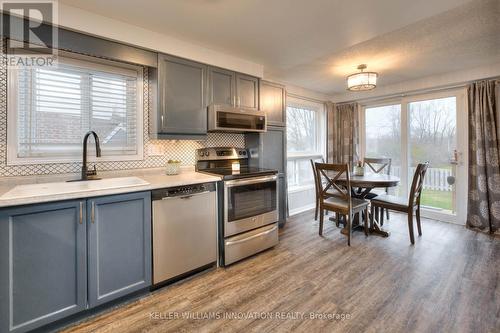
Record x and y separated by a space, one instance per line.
314 44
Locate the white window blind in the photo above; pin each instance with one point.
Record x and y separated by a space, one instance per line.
55 106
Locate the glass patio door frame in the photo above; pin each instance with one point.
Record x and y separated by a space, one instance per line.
462 139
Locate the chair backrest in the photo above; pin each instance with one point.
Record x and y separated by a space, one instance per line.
316 185
378 164
331 173
417 185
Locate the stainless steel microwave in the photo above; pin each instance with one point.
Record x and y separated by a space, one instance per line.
223 118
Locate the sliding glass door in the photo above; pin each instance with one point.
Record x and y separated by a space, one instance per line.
383 136
433 138
417 129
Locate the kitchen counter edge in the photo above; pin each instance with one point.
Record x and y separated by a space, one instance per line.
156 181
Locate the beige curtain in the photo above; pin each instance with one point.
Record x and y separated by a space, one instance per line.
484 168
343 133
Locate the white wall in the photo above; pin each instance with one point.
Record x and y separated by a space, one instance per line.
85 21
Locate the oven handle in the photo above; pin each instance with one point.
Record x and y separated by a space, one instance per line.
252 237
256 180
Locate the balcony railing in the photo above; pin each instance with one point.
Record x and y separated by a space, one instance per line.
436 179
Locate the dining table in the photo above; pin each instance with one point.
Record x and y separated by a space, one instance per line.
362 185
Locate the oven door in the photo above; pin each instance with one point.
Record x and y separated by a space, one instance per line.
250 203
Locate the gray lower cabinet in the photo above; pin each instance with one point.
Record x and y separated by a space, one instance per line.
119 246
182 98
273 102
50 253
283 202
43 264
268 150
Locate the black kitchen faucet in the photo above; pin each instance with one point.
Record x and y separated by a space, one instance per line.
85 172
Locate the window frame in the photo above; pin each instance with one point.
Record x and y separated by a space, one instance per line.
85 62
322 124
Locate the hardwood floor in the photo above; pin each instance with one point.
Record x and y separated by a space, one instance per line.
449 281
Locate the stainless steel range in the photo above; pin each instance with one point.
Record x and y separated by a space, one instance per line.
248 202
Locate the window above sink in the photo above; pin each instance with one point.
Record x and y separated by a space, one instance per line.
52 107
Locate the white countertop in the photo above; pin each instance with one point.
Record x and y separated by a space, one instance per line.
30 190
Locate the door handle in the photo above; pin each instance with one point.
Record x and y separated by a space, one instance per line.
92 213
233 183
81 212
186 196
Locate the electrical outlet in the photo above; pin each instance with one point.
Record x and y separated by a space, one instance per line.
154 150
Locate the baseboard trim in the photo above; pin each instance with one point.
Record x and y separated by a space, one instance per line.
301 209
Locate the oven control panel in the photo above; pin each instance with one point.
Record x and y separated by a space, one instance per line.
221 153
183 191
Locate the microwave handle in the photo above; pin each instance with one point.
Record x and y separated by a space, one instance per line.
241 182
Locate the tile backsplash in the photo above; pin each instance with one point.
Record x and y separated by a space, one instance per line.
156 152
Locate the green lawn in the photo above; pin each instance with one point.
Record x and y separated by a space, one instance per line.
440 199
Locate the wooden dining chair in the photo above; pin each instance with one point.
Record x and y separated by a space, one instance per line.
406 206
378 165
316 188
337 198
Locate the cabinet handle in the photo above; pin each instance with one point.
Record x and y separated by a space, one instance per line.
92 212
81 212
162 121
239 101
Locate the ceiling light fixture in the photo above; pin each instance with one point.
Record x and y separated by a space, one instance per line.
362 81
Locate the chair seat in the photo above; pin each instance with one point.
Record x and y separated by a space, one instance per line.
371 195
340 203
390 201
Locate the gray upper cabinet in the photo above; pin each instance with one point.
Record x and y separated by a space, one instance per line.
247 92
233 89
273 102
182 97
119 245
43 264
222 86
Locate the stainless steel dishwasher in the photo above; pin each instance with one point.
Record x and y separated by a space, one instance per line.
184 231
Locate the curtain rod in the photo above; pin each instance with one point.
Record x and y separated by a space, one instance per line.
417 91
